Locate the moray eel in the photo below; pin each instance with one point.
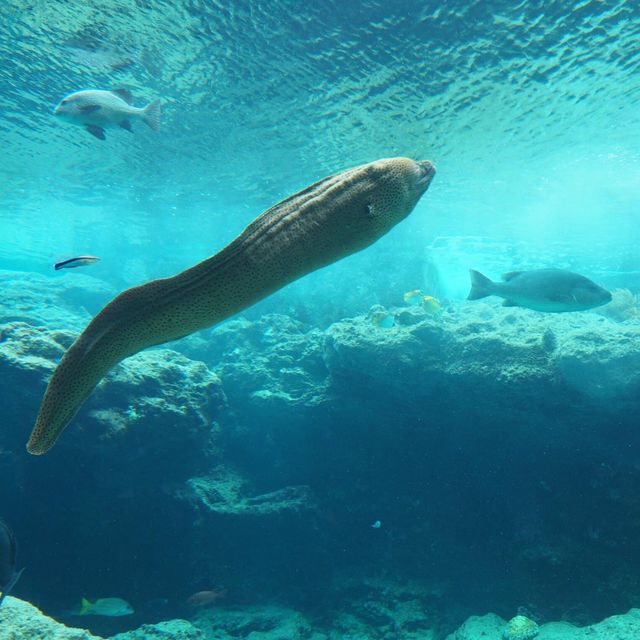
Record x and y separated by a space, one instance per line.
321 224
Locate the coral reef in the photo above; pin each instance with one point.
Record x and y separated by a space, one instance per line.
168 630
65 301
256 623
149 403
224 492
20 620
276 361
258 454
625 626
624 306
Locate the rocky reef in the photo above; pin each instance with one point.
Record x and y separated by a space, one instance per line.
483 456
20 620
491 626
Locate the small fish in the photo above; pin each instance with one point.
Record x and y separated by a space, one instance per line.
413 297
383 319
79 261
205 598
376 525
550 290
96 110
431 305
8 554
111 607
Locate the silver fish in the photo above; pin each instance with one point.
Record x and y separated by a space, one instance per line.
96 110
79 261
550 290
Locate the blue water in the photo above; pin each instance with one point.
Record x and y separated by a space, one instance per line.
531 113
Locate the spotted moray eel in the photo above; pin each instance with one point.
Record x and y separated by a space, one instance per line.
317 226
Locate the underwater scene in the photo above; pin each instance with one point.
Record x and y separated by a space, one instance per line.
319 320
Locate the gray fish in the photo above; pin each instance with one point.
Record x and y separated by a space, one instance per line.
8 554
550 290
95 110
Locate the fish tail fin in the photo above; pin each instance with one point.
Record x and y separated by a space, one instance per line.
152 114
12 583
481 286
85 606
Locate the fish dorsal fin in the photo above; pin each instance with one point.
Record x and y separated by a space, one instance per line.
510 275
509 303
12 583
96 131
125 94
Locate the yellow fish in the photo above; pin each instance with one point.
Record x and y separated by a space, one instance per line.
431 305
413 297
111 607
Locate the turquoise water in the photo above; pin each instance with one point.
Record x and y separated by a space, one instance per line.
530 112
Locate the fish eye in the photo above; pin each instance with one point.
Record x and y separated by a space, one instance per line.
65 101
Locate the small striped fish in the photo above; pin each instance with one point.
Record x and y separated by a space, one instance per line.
79 261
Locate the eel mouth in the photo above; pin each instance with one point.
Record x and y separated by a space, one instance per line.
427 170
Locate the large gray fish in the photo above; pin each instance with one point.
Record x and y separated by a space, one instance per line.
550 290
8 555
95 110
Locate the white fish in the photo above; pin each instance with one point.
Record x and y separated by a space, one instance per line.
96 110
